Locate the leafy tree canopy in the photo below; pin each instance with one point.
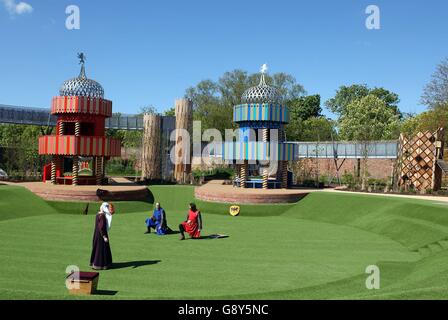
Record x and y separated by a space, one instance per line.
347 95
430 120
213 101
368 119
312 129
147 109
304 107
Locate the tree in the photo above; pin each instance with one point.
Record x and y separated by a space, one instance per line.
306 122
436 91
148 109
346 95
171 112
304 107
430 120
318 129
365 120
208 106
313 129
213 102
20 149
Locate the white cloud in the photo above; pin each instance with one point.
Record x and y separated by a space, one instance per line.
17 8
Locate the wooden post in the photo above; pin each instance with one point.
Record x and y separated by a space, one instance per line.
151 149
184 120
284 174
265 178
103 167
75 170
243 174
77 128
53 169
436 181
61 128
98 172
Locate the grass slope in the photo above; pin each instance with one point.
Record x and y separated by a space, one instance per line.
317 248
18 202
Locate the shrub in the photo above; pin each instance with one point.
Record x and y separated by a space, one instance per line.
216 173
349 180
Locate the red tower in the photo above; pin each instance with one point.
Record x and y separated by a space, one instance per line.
80 133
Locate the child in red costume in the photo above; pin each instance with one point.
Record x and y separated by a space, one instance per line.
193 224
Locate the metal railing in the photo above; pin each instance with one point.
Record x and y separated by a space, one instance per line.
42 117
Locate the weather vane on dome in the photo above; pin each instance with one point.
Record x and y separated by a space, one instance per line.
82 61
82 58
264 68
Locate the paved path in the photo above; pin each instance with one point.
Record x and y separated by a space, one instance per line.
408 196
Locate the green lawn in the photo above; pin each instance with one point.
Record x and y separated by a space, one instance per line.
315 249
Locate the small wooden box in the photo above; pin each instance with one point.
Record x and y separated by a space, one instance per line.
82 283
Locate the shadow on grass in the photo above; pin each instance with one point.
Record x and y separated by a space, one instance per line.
168 233
105 292
211 237
133 264
106 195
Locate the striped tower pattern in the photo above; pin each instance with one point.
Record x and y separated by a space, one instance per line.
265 169
75 172
81 105
87 146
53 170
243 175
284 174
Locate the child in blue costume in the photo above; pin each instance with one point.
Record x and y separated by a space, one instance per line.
158 221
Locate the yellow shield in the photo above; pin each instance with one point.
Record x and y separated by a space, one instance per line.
234 210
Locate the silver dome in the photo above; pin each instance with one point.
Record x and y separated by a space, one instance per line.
82 86
261 94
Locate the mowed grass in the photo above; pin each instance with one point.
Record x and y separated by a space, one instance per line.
318 248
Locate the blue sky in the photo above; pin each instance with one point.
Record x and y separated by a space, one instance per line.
149 52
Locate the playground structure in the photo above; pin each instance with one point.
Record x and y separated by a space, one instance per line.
420 161
81 111
261 116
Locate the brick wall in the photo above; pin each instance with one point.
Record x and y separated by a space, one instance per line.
377 168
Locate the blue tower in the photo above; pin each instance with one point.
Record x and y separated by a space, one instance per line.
261 118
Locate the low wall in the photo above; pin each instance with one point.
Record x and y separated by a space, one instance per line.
377 168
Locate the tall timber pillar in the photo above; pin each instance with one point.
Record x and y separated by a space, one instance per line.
184 125
151 157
